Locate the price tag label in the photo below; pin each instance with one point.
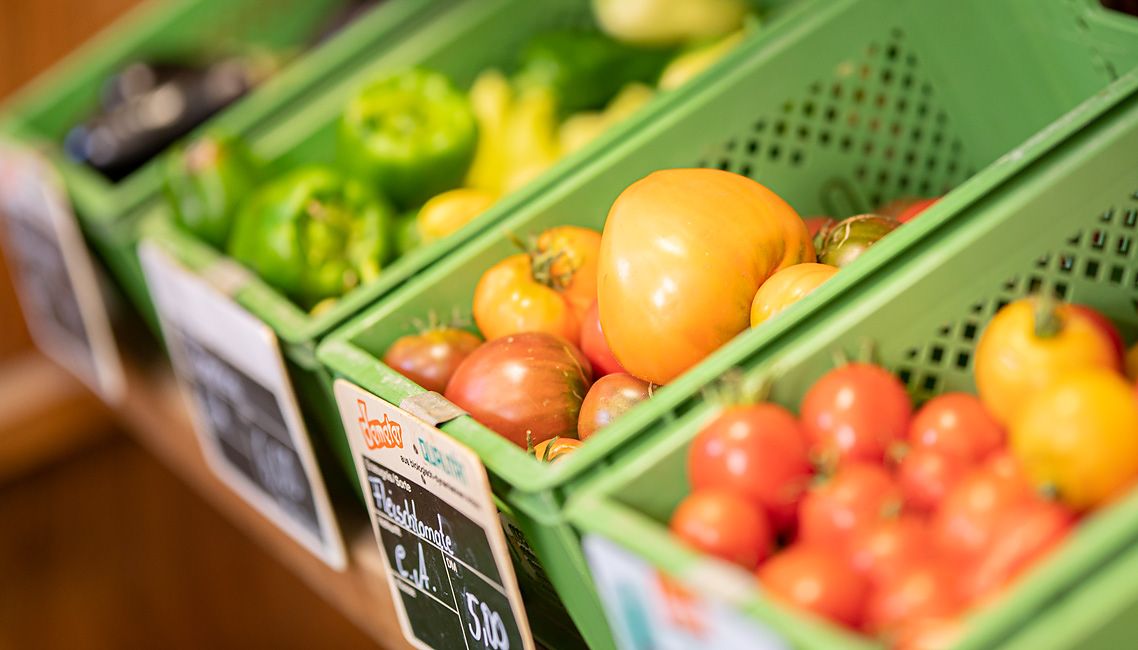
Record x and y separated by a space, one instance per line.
245 414
55 277
437 527
649 611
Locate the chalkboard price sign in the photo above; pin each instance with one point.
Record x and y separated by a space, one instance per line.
55 277
436 523
248 422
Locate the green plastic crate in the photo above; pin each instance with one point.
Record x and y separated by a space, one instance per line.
108 212
1060 215
837 106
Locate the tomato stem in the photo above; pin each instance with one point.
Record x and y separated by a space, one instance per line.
1048 324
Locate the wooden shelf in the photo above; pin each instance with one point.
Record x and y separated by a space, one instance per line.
156 415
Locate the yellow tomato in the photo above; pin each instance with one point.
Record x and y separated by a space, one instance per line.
445 213
1028 345
787 287
682 255
1079 436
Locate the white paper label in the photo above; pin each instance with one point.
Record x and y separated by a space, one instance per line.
650 611
54 275
245 414
438 529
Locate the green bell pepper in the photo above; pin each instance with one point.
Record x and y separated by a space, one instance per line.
411 134
586 69
205 183
313 234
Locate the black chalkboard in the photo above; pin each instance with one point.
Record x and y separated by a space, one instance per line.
46 288
248 424
443 566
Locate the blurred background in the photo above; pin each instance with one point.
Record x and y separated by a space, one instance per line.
101 546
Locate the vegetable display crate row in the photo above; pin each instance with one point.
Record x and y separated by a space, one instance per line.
461 41
193 49
837 107
1056 215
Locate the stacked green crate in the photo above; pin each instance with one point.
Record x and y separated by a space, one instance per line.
1058 214
192 31
838 107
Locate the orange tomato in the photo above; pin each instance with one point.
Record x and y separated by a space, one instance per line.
682 255
1031 343
574 253
546 290
1079 436
1132 363
550 450
787 287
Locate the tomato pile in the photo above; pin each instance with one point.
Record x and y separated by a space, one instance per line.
688 259
896 523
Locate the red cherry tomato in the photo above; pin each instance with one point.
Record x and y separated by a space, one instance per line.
758 451
958 424
857 496
1020 539
926 475
927 634
723 524
889 546
915 208
923 591
856 412
430 358
817 580
966 522
595 347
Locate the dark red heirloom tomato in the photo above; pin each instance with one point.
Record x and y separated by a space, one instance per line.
609 398
430 358
528 385
758 451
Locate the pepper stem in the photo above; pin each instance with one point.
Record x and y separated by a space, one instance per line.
1047 321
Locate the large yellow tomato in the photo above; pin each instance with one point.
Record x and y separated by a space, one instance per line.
1079 436
1028 345
682 255
787 287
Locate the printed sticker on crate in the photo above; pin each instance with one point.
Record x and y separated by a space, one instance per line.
438 529
650 611
245 413
54 275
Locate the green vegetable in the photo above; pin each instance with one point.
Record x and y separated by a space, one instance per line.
841 243
205 183
668 22
313 234
411 134
586 69
407 235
